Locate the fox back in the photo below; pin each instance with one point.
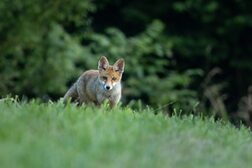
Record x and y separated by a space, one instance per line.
96 86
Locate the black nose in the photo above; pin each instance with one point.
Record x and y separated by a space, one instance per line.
107 87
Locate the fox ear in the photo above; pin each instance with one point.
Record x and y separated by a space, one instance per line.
119 65
103 63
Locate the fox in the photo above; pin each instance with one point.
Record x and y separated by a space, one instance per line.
97 86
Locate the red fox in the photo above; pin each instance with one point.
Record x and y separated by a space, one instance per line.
95 86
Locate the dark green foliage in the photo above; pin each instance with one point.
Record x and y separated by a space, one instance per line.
148 75
203 34
37 54
170 47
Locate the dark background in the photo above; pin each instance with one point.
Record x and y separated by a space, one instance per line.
190 56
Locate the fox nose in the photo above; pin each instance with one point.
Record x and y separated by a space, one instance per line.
107 87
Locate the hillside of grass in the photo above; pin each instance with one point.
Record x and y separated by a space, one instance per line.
52 135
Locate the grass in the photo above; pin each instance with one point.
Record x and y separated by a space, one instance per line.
51 135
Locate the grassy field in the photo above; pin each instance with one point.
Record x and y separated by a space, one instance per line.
50 135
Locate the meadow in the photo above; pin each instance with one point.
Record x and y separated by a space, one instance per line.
44 135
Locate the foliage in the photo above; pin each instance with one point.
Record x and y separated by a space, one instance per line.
204 35
53 135
170 47
148 75
37 54
45 67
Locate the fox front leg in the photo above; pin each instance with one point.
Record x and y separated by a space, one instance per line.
100 99
114 100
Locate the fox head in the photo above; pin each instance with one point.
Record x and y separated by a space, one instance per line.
110 75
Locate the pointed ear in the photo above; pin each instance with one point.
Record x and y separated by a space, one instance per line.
119 65
103 63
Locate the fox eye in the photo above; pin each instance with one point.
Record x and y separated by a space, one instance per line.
113 78
104 78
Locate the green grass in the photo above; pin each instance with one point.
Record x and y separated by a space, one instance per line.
50 135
